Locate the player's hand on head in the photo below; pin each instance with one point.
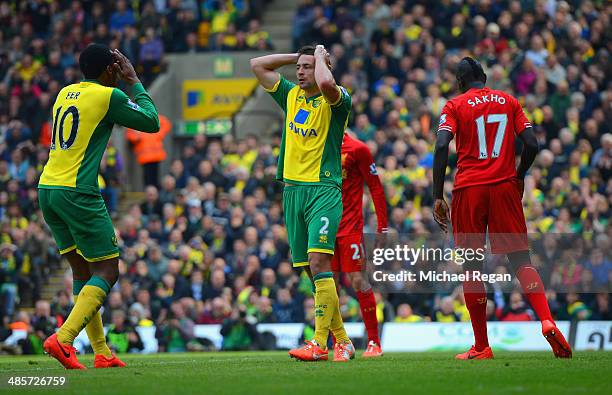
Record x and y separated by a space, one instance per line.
321 51
441 214
124 68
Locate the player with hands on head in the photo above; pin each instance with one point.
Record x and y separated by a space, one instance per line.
316 115
69 195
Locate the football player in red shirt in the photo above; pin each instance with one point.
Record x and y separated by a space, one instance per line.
358 167
487 194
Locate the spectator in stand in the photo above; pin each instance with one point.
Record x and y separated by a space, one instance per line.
151 54
516 310
176 335
61 306
601 307
121 337
43 325
405 314
285 309
257 38
238 331
149 150
446 311
10 265
122 17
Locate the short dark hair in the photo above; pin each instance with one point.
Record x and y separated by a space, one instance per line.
310 50
94 59
470 70
307 50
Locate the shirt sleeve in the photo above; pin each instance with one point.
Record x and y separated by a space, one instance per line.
343 106
448 120
367 167
139 114
520 119
280 92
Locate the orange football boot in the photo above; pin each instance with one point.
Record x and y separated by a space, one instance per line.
373 351
310 351
65 354
344 351
101 362
555 338
473 354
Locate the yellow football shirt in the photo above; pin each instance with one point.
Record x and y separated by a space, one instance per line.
312 136
83 119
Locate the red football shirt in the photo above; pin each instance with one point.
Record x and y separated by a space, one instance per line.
484 123
358 167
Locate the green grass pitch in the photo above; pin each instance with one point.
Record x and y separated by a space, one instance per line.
275 373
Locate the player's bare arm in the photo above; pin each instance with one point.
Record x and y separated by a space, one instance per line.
528 155
441 212
367 166
324 77
264 67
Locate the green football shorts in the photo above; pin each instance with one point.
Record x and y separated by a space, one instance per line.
79 222
312 215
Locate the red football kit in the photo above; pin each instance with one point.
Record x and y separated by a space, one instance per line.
484 123
358 167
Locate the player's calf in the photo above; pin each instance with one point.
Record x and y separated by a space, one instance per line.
367 305
533 288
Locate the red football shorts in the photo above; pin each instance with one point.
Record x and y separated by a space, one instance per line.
349 254
496 208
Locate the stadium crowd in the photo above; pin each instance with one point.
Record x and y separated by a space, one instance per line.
210 246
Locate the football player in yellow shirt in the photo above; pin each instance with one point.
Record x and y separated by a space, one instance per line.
309 164
69 195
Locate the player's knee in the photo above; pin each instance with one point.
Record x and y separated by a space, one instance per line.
108 270
113 275
319 262
356 280
359 282
518 259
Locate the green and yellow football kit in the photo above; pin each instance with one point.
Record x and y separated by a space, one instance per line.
310 165
69 195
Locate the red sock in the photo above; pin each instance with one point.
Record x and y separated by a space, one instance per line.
367 303
476 303
533 288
